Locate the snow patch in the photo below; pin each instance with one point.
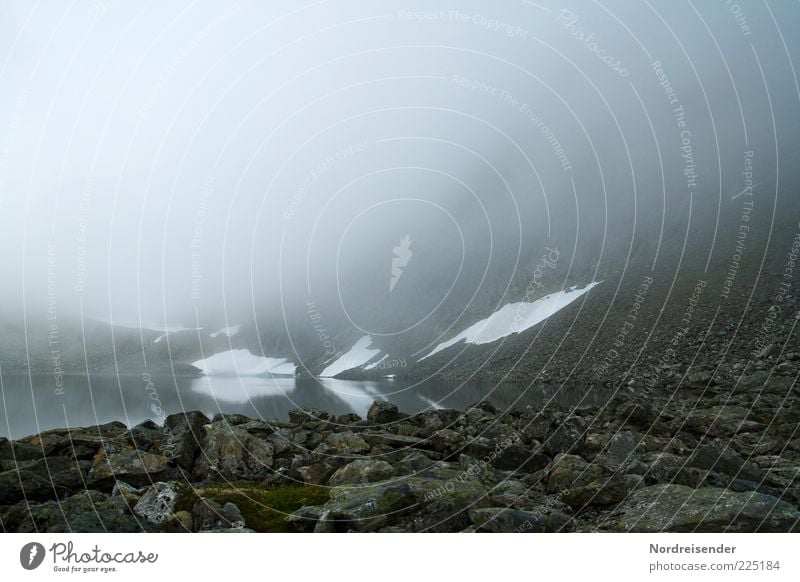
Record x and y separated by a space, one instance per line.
243 363
374 365
514 318
229 331
358 355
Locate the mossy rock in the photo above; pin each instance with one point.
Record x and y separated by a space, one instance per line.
265 508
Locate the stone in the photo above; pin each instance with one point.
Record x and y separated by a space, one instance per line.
184 434
209 515
677 508
505 520
161 501
570 471
365 509
413 463
601 492
382 412
86 512
711 457
231 453
342 444
519 458
361 472
569 436
134 467
303 415
446 440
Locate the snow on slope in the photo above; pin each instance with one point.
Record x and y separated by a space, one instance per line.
359 354
375 365
243 363
514 318
229 331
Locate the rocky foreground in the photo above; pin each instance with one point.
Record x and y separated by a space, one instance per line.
712 459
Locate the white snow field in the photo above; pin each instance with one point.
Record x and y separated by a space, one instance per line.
244 363
229 331
514 318
357 355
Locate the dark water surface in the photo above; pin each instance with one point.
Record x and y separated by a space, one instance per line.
31 404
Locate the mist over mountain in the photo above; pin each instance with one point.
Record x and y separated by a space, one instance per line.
193 167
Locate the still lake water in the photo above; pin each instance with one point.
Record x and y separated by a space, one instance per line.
31 404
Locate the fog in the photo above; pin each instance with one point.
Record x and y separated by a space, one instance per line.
183 164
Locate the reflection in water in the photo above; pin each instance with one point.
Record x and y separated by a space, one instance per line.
30 405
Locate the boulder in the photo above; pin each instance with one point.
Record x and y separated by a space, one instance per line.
231 453
134 467
712 457
365 509
676 508
382 412
160 502
208 515
185 433
342 444
361 472
601 492
86 512
505 520
570 471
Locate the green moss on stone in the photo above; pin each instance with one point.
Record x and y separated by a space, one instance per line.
265 508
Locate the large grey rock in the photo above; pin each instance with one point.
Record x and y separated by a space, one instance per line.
185 433
362 471
365 509
132 466
676 508
160 502
87 512
382 412
569 471
232 453
712 457
208 515
505 520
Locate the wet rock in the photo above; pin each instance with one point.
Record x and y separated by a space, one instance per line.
712 457
413 463
569 436
362 471
382 412
134 467
231 453
303 415
88 512
391 440
601 492
676 508
161 501
620 448
570 471
340 444
504 520
209 515
316 473
446 440
349 418
365 509
184 434
516 457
